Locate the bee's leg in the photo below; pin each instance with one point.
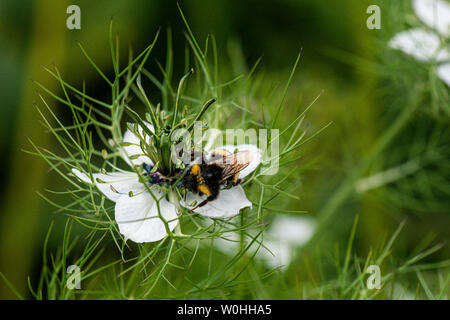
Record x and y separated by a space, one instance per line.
236 180
210 198
201 204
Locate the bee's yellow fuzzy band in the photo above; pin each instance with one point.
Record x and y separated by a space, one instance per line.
195 169
204 189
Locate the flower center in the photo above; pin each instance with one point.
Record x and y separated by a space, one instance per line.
156 177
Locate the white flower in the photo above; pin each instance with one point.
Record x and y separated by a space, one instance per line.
285 235
136 211
443 72
435 14
421 44
425 45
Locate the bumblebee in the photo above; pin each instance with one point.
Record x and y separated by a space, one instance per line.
220 170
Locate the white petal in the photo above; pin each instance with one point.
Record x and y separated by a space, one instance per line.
443 72
422 45
80 175
228 242
443 55
227 205
255 156
135 147
294 230
280 253
138 218
435 14
285 234
115 184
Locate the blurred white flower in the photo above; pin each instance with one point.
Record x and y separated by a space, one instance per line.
285 235
443 72
136 210
426 45
435 14
421 44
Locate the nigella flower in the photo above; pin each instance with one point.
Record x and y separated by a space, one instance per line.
143 211
425 45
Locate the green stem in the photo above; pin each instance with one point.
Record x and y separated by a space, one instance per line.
202 111
177 101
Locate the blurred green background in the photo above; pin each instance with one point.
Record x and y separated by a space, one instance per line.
339 56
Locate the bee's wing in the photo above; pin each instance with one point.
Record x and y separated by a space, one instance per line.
231 163
231 170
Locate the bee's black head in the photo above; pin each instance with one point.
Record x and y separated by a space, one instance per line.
190 182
